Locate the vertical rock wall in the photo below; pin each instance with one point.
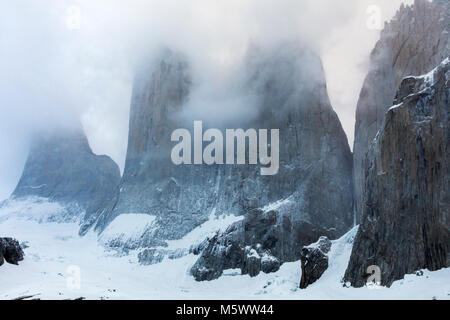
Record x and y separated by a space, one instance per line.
413 43
406 200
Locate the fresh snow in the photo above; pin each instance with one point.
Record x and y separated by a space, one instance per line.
56 254
127 227
429 77
275 205
208 229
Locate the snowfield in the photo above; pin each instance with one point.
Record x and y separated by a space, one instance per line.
59 264
127 228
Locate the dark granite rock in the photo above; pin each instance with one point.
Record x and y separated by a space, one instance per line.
406 199
197 249
62 167
311 195
10 251
413 43
314 261
251 262
181 197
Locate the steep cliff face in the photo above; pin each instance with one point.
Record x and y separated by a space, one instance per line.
406 200
311 195
62 167
180 197
414 42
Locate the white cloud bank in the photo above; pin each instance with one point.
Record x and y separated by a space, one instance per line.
53 71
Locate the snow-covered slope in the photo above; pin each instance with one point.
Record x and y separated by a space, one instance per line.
40 210
57 257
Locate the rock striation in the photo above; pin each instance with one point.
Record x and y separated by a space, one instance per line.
311 195
62 167
413 43
406 200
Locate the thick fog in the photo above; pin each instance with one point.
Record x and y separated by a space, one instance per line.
66 59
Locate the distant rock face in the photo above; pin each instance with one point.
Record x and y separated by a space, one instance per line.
413 43
311 195
406 199
10 251
180 197
314 261
312 190
62 167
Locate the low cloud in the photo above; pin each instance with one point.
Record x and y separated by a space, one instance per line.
58 66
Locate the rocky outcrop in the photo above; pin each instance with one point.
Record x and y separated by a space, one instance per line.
406 199
311 195
62 167
150 256
413 43
245 245
314 261
10 251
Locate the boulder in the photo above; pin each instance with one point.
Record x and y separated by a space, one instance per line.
311 196
10 251
314 261
150 256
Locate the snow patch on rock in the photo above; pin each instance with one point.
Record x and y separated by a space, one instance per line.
127 228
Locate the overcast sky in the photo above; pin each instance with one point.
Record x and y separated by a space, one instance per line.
66 59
